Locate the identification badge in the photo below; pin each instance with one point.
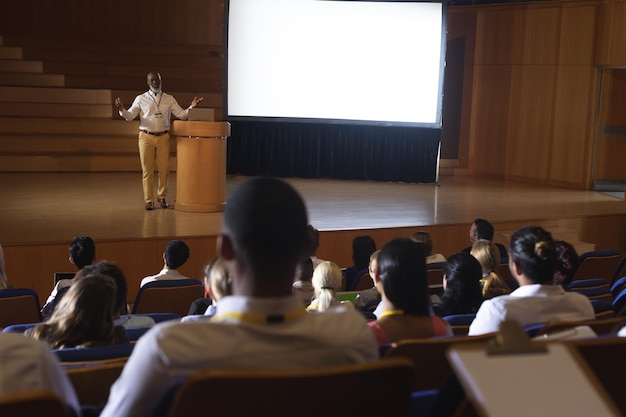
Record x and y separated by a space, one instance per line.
158 115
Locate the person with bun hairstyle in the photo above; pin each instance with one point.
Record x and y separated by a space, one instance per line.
532 263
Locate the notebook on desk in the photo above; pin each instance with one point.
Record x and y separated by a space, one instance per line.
201 114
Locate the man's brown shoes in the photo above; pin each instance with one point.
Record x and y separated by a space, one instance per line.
162 202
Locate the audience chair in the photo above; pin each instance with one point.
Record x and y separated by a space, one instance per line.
18 306
460 323
429 357
71 357
617 286
18 328
592 288
620 271
597 264
92 380
365 283
168 296
504 272
435 277
372 389
603 327
603 309
33 403
619 304
605 357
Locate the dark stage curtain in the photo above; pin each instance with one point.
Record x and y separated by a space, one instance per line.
306 150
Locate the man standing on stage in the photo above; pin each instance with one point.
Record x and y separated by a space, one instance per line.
154 108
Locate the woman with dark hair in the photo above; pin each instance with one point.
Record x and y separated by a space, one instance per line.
566 263
532 263
362 249
84 316
461 283
403 283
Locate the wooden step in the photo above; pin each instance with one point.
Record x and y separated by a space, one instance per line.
34 126
31 80
54 110
69 163
9 52
55 95
68 144
135 71
127 83
19 65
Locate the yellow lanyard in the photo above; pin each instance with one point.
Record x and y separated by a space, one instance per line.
391 313
262 318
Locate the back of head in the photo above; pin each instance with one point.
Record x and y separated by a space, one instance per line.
3 274
110 269
218 278
82 251
362 249
84 316
463 293
304 269
176 254
327 282
402 270
487 254
484 229
422 238
314 239
566 263
534 252
266 222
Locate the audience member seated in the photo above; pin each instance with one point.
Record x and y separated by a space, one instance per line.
366 298
423 238
302 284
175 255
532 262
314 236
4 282
403 284
461 282
362 249
326 283
218 284
263 325
488 256
82 252
481 229
84 316
29 365
566 263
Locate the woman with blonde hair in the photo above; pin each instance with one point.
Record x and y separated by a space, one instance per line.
84 316
488 255
327 282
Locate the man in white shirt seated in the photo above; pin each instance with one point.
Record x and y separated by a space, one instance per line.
175 255
532 262
28 364
263 325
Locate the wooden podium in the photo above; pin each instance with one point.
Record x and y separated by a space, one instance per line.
200 165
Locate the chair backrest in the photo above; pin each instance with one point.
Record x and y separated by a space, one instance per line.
620 271
602 309
379 388
168 296
619 303
459 323
32 403
605 357
429 357
18 306
592 288
69 356
19 328
92 381
600 327
503 271
365 283
617 286
435 277
597 264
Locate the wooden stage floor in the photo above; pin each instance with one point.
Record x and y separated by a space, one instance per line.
54 207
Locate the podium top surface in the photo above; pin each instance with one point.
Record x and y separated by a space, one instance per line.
200 129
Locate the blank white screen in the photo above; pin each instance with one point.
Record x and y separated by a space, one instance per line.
338 60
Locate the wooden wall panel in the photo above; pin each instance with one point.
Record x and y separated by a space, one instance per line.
495 37
530 122
611 36
572 132
489 124
540 36
577 36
